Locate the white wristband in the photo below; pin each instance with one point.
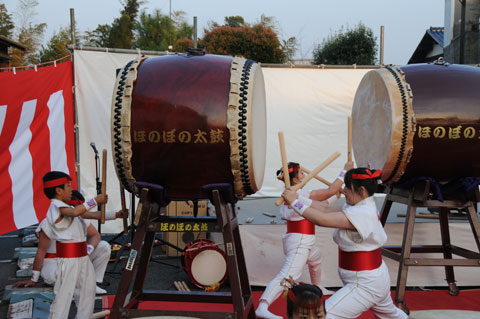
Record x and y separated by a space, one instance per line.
332 200
299 207
305 200
90 249
341 176
35 275
89 204
110 215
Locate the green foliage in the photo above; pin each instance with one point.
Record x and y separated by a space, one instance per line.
234 21
98 37
258 43
6 24
289 46
154 31
29 35
56 46
350 46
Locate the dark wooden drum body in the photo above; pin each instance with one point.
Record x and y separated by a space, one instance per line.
418 120
184 121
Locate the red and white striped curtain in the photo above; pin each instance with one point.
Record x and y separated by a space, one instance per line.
36 136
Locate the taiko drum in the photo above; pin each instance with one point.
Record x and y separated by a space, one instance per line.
184 121
418 120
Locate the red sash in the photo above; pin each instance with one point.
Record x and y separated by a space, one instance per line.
360 260
71 250
50 255
300 226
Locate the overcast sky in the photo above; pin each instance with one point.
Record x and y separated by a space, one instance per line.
310 21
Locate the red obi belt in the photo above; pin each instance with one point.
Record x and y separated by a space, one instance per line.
300 226
360 260
71 250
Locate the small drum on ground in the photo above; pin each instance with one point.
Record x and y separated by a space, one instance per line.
184 121
418 120
205 263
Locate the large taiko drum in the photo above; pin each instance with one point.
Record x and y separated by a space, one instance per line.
205 263
184 121
419 120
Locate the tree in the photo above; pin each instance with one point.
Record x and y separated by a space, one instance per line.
56 46
98 37
6 24
258 43
30 35
154 31
290 47
350 46
234 21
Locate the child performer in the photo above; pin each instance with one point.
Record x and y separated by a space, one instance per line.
305 301
45 262
359 236
298 242
75 274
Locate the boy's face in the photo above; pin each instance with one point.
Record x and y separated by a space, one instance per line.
299 178
312 313
65 194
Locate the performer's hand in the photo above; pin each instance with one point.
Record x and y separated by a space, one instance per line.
101 199
348 166
24 283
289 195
121 214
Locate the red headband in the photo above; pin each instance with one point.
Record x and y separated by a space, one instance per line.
290 170
75 202
56 182
368 175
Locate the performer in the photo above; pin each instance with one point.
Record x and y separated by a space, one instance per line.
45 260
305 301
359 236
75 273
299 240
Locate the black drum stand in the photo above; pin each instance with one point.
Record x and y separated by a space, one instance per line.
149 222
418 196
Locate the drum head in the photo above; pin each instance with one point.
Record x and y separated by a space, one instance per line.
208 267
382 129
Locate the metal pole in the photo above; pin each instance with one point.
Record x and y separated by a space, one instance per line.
75 127
170 28
462 32
195 32
382 33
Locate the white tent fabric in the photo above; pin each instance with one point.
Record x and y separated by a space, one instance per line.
310 106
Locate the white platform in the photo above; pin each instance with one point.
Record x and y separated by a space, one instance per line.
262 247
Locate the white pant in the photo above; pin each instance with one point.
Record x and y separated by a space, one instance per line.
75 278
99 258
299 250
361 291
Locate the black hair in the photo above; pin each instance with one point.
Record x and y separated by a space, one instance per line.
307 296
291 165
50 176
76 195
369 181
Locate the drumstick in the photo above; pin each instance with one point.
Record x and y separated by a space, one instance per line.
349 138
104 184
124 209
313 173
101 314
283 153
319 178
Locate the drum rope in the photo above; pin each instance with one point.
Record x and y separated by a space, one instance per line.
242 124
404 123
117 127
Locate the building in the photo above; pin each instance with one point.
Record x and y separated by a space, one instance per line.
430 47
5 44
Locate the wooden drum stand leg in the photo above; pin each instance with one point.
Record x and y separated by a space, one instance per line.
125 304
418 197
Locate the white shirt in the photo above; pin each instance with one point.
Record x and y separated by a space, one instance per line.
370 234
289 213
69 229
